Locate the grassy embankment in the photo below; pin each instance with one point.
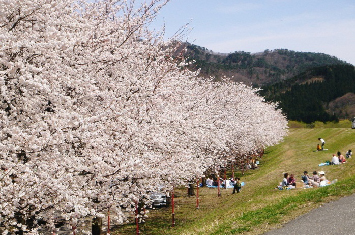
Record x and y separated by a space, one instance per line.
259 207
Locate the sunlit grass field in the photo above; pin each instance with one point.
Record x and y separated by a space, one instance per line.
260 207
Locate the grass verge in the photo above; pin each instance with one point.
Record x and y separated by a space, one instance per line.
259 207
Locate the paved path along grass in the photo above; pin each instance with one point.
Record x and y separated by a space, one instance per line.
336 217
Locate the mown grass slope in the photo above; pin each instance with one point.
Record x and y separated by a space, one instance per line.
259 207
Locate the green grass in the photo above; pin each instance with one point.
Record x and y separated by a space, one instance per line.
259 207
340 124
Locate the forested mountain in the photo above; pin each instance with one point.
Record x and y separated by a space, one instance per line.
323 93
258 69
308 86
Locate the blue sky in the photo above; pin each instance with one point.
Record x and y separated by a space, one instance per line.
326 26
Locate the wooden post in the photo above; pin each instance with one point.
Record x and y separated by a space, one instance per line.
232 170
108 221
225 178
219 186
137 224
243 168
172 209
197 199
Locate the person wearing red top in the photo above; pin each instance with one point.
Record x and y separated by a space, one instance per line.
291 180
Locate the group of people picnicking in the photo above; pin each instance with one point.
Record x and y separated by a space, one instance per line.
234 183
317 179
288 182
214 182
339 158
336 158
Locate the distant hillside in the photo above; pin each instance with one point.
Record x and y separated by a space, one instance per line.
258 69
308 86
323 93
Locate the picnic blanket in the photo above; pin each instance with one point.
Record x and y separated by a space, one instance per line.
327 183
230 185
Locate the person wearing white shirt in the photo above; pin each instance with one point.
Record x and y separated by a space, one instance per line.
335 160
322 141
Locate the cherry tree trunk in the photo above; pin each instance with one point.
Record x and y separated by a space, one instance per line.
203 181
20 220
96 227
190 190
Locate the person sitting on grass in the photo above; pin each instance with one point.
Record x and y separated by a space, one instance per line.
314 180
341 158
209 182
318 147
291 180
348 154
322 180
284 182
335 160
305 178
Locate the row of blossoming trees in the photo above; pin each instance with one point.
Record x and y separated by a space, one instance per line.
96 113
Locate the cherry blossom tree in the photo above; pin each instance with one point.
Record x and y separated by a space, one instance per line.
53 56
96 113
